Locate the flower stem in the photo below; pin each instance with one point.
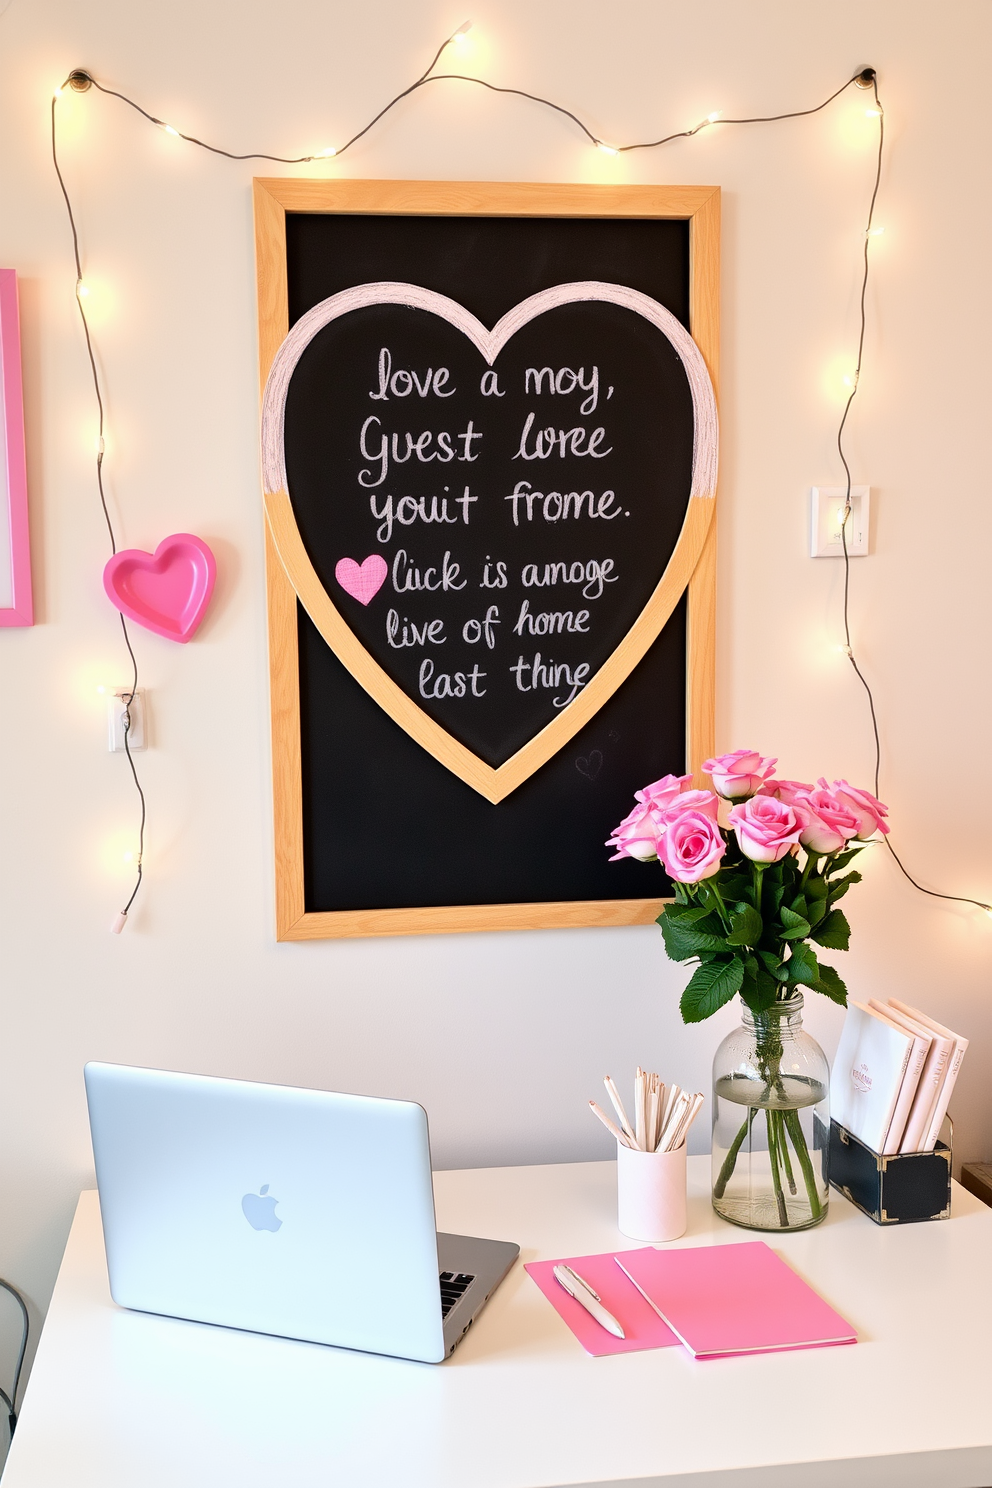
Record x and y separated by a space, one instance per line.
795 1127
714 888
730 1161
771 1119
786 1160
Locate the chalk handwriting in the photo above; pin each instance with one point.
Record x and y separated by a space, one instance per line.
406 577
400 633
410 509
421 447
594 575
578 441
548 622
449 684
565 381
474 630
402 383
550 675
559 507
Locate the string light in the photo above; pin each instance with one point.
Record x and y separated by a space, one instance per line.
874 232
80 81
169 130
462 32
865 79
870 232
325 154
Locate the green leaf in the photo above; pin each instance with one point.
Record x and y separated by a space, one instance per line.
773 964
840 888
746 927
687 913
760 993
831 986
835 932
796 928
816 909
710 987
816 887
802 966
682 942
836 864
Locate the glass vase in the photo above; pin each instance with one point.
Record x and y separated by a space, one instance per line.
771 1122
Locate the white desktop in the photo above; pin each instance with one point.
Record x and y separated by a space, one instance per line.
122 1400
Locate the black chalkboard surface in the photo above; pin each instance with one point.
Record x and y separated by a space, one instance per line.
489 524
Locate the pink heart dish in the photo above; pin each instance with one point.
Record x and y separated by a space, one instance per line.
364 581
166 591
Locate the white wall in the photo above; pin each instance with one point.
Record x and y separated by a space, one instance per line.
197 982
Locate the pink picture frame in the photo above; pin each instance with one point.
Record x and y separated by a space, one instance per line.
16 606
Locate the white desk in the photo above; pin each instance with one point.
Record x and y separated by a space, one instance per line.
122 1400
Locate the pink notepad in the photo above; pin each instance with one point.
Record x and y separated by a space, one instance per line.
734 1299
638 1319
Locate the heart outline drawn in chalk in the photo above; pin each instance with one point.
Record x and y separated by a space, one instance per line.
590 764
362 580
167 591
492 782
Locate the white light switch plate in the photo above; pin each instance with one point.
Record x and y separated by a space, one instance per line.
115 720
826 508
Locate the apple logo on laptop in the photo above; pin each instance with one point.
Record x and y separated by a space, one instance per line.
260 1210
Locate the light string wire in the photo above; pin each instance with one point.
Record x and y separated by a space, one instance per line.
10 1401
846 514
128 697
865 78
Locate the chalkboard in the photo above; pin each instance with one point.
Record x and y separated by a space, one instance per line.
489 452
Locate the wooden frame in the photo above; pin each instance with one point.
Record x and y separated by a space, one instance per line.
700 205
15 551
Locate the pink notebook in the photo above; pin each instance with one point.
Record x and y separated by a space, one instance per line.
638 1319
734 1299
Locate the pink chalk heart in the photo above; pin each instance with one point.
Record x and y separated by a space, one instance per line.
364 581
166 591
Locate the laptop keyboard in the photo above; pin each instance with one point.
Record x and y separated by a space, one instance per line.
454 1285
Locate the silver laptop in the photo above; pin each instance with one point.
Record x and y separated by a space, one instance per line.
303 1213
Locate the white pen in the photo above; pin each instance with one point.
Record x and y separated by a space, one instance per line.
587 1298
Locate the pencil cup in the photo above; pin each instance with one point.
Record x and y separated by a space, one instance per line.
651 1193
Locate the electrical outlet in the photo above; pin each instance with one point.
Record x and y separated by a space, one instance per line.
115 720
826 511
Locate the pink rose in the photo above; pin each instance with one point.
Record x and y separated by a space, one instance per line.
662 792
785 790
692 800
739 774
829 823
637 835
869 812
692 847
766 829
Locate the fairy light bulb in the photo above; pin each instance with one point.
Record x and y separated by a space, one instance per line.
712 118
169 130
326 154
462 32
874 232
82 290
873 113
606 149
58 93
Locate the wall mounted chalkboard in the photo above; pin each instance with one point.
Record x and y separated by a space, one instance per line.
489 473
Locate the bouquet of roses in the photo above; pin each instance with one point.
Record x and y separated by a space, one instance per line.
751 896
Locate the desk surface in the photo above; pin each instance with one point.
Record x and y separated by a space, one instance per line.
119 1399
